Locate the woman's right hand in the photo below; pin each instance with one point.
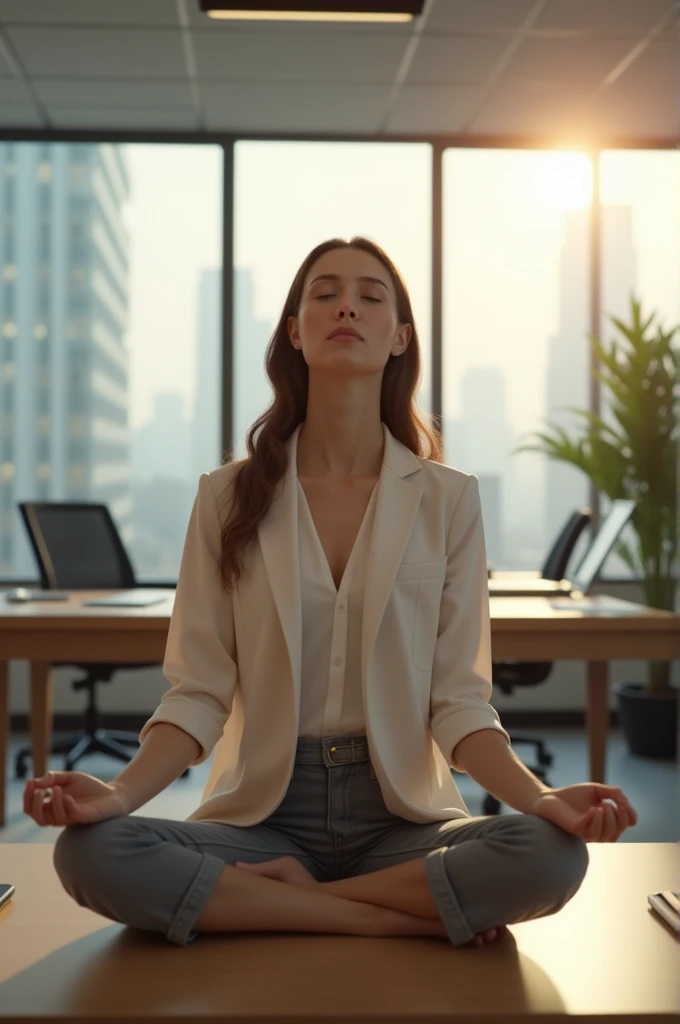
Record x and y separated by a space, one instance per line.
72 798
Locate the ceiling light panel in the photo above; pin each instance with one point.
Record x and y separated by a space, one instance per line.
357 11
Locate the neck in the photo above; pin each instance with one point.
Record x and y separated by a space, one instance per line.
342 436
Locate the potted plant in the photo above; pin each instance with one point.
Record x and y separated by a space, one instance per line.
636 456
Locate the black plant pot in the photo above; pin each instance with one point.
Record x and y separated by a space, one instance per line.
649 721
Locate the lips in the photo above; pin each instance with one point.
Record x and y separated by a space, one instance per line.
347 331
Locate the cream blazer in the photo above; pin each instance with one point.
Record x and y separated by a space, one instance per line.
233 660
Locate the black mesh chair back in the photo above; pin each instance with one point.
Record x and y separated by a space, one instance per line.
76 546
556 563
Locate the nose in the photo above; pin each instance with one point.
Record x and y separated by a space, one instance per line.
346 305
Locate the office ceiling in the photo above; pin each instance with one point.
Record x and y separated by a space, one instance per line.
559 70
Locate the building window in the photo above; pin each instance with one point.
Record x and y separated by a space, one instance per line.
44 173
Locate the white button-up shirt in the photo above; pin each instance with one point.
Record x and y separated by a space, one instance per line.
330 700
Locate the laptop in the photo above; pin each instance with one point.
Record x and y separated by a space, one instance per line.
578 583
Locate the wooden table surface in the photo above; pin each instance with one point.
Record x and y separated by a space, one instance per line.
595 630
606 956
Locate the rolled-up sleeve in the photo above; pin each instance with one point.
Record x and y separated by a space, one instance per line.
461 675
200 655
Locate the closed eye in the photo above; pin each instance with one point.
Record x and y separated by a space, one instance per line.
369 297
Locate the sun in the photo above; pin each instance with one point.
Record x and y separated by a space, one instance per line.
566 180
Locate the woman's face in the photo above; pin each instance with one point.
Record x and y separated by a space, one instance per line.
348 288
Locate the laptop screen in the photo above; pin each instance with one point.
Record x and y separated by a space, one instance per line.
594 558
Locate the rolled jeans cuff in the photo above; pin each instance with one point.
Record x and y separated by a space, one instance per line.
190 908
443 894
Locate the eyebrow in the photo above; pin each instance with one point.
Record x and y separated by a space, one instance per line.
336 277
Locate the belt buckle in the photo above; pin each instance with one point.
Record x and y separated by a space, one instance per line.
353 760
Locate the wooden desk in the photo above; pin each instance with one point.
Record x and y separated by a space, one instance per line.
528 628
604 957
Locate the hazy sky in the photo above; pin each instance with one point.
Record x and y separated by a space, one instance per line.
506 215
175 224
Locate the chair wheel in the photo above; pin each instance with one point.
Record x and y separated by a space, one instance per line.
491 805
20 769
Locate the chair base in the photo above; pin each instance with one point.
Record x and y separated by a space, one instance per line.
77 745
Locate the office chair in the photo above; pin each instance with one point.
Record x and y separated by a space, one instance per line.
77 547
509 674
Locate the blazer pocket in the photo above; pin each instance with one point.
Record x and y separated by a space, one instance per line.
434 568
428 606
429 576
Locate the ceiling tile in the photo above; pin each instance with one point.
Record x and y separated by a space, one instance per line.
122 118
447 59
475 15
292 108
14 91
14 116
344 57
658 65
513 109
86 93
5 69
613 18
585 62
89 12
635 114
443 111
99 53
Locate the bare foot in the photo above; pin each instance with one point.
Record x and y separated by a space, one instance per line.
488 936
427 926
390 922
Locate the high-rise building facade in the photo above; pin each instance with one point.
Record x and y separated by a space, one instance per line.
64 390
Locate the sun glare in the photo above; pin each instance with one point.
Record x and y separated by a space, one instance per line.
565 180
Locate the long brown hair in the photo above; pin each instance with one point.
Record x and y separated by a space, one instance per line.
254 483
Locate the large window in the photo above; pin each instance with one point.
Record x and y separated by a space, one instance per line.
110 313
515 323
289 197
640 193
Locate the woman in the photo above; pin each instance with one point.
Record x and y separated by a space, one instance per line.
330 639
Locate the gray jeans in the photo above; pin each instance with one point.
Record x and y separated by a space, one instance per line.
156 874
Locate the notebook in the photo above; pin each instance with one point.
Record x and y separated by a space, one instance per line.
138 598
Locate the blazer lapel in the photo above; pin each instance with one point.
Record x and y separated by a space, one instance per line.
398 500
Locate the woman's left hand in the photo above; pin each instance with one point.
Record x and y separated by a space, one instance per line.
585 810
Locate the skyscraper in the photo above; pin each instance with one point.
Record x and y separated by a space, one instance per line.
64 392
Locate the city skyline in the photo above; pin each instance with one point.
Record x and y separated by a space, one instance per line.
129 303
561 189
558 189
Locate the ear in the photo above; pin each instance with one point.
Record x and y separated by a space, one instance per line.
403 338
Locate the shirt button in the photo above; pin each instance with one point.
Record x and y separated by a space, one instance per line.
337 661
341 607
